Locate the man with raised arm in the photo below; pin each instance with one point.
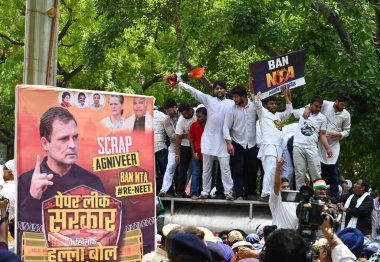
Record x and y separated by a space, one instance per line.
213 144
284 214
271 135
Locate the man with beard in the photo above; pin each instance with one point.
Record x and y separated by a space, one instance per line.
338 127
170 107
182 145
213 144
239 131
271 135
305 144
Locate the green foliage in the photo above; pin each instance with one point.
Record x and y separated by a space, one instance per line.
124 45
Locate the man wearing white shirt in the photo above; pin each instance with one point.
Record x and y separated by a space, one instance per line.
212 143
170 107
182 145
338 127
305 144
160 148
239 131
271 135
284 214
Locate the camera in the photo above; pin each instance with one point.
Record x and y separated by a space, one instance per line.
312 211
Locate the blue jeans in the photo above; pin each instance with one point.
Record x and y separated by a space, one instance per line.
330 173
196 175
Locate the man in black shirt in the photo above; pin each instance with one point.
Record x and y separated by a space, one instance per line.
58 171
357 208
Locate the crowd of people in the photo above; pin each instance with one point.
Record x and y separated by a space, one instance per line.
238 148
233 143
269 243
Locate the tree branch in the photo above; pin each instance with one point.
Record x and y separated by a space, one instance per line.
154 80
65 29
11 40
68 45
7 136
67 75
182 45
337 23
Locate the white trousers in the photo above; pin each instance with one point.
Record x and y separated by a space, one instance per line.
269 165
169 173
224 163
303 158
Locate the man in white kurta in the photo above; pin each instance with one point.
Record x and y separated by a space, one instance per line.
212 142
271 136
338 127
284 214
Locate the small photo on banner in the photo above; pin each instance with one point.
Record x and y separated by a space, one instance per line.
271 76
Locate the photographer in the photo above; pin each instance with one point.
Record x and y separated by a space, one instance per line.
286 245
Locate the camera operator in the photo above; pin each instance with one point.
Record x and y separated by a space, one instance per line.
286 245
357 208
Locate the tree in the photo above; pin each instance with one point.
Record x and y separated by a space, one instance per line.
128 46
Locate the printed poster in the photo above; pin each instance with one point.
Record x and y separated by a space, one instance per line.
85 162
271 76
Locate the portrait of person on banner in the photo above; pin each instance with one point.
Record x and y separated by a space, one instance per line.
57 171
141 120
115 121
65 99
82 100
97 101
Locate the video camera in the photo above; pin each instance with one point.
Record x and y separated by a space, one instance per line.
312 211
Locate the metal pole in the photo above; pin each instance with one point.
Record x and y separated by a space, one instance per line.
41 37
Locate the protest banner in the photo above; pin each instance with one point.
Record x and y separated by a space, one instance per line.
85 165
272 75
